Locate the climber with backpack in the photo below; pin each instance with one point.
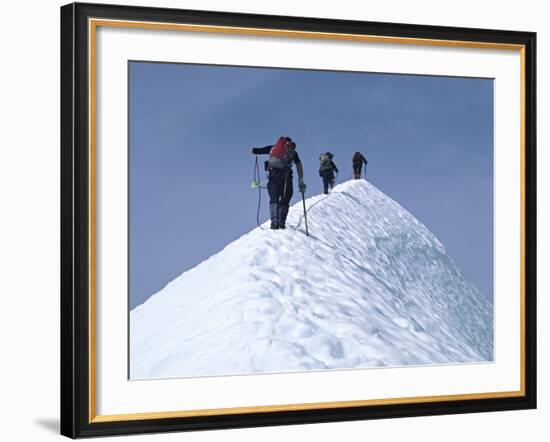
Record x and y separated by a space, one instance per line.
279 186
357 161
326 171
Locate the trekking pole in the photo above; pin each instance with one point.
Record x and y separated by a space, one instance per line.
305 211
365 166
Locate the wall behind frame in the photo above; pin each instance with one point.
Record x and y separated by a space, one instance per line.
29 225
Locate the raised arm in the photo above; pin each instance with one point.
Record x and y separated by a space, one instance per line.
261 150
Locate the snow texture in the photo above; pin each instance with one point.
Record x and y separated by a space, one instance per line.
370 287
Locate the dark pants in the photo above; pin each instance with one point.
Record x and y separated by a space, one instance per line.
357 170
280 192
328 180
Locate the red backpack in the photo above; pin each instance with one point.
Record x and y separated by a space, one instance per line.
281 148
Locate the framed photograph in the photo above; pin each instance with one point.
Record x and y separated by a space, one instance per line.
273 220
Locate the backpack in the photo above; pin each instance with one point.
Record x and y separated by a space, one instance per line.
281 148
326 161
280 154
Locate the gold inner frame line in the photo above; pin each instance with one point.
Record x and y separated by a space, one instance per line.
299 34
93 24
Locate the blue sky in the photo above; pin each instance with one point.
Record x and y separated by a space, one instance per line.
428 140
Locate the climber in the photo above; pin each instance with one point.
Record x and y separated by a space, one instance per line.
358 160
279 186
326 171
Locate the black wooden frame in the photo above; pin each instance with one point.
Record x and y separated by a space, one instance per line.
75 220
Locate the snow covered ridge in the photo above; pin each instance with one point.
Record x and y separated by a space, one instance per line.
370 287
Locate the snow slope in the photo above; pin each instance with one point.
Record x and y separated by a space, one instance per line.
370 287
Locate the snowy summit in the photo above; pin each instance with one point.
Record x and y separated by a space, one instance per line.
370 287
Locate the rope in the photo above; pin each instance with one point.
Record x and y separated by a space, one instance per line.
315 203
260 187
307 211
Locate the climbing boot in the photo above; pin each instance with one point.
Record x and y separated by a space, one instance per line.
273 212
283 212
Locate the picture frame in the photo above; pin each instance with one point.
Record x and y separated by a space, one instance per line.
80 241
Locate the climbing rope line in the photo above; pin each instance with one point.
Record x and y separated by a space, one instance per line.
260 187
307 211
